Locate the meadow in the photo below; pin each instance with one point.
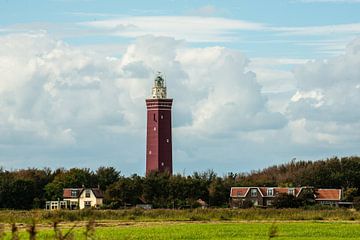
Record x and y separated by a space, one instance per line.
184 224
208 230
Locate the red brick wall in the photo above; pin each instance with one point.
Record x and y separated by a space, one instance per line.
158 137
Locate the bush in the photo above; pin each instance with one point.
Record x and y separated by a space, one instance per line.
247 204
284 200
356 203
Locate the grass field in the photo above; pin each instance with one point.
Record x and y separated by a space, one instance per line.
187 224
213 230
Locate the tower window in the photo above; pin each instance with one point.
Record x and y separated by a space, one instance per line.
154 128
162 116
150 152
167 140
162 164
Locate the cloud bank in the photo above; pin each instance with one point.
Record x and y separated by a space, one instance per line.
62 105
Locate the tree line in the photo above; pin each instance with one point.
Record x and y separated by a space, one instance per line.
30 188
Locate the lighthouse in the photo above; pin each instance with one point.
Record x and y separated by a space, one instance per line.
158 130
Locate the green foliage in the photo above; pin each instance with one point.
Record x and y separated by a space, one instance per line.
106 176
30 188
284 200
247 204
357 203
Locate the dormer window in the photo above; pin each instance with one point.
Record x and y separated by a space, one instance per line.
74 193
291 191
270 192
254 192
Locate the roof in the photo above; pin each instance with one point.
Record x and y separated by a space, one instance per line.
243 191
97 192
321 194
67 192
238 191
328 194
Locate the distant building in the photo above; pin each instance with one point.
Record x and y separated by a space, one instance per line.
264 196
77 198
80 198
158 135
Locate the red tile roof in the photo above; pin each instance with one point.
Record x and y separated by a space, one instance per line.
321 194
67 192
242 191
328 194
238 191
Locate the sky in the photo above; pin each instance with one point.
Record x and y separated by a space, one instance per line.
254 83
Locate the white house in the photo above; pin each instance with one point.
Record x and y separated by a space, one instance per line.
80 198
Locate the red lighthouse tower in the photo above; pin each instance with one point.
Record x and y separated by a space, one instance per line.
158 137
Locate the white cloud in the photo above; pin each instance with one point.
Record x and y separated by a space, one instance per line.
191 28
69 102
54 95
350 28
327 102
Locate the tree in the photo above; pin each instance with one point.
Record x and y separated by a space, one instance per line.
126 191
73 178
106 176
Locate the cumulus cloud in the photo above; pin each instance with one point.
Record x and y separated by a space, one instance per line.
327 101
53 90
53 94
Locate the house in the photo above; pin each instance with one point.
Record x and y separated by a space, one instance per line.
80 198
77 198
264 196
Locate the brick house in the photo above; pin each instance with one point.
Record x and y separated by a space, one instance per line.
264 196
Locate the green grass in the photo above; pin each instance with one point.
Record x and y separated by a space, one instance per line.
218 230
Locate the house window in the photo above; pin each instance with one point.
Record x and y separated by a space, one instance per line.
87 193
291 191
74 193
253 192
238 194
270 192
87 204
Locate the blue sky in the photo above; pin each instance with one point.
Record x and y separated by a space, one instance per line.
254 83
